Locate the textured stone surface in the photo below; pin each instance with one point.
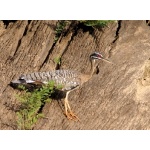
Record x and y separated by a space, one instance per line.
116 98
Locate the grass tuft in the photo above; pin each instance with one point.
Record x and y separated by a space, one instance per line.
59 29
30 104
96 23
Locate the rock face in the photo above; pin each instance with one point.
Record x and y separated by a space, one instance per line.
116 98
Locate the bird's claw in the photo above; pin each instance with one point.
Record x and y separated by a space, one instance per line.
72 116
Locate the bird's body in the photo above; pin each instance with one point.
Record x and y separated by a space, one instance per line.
68 79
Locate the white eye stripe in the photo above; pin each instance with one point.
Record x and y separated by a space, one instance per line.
95 57
29 81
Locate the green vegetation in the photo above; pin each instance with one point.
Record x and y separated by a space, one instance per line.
59 29
57 60
96 23
61 25
31 102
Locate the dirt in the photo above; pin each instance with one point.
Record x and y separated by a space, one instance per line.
116 98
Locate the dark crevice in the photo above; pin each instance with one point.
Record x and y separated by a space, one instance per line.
24 34
6 22
117 31
60 30
26 28
116 37
75 31
11 58
85 28
18 45
47 57
148 22
51 49
29 21
57 67
73 35
72 28
97 70
67 31
41 108
95 37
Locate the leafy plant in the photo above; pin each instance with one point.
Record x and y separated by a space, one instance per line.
59 29
96 23
61 25
31 102
57 60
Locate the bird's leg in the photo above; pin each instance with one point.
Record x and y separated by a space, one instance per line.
68 111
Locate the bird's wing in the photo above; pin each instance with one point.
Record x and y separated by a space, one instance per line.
67 78
32 78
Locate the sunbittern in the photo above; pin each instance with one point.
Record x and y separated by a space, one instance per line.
69 79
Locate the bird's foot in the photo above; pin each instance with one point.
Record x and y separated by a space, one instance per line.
72 116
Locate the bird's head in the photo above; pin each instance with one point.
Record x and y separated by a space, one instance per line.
98 56
93 58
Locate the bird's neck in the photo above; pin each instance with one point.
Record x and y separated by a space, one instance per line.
92 68
89 75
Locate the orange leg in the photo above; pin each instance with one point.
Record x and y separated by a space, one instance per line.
68 111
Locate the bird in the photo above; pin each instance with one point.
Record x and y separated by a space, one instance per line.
69 80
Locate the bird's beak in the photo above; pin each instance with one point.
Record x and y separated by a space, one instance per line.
104 59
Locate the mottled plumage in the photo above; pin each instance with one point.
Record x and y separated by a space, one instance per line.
68 79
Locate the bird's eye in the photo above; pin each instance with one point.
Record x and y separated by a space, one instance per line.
21 79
